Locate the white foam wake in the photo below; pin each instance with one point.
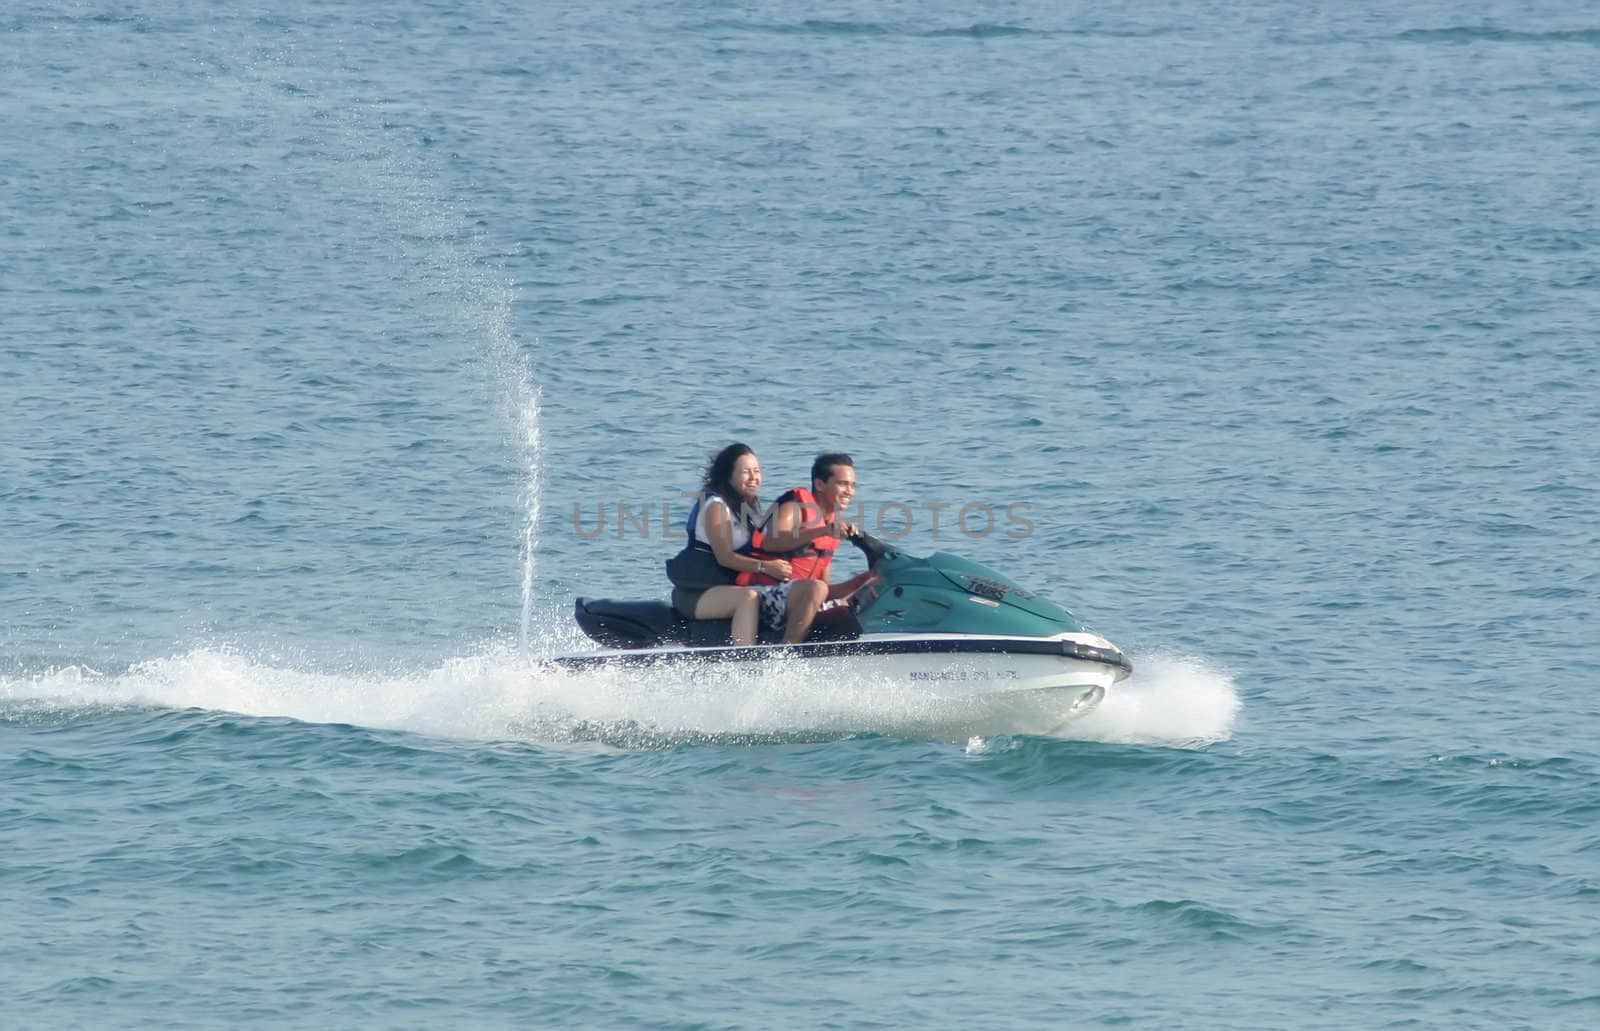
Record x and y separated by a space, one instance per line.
504 694
1172 701
461 698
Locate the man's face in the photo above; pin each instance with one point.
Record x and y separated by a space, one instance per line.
836 491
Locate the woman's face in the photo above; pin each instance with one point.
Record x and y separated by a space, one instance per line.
746 478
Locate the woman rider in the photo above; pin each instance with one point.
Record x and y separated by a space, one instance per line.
721 520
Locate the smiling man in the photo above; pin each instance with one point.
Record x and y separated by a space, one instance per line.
805 530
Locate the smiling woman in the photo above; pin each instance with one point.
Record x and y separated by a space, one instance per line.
711 576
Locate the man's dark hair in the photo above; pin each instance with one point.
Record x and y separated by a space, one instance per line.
822 468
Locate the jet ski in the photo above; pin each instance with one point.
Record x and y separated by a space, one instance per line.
999 656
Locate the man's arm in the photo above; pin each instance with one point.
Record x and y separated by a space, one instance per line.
850 586
785 534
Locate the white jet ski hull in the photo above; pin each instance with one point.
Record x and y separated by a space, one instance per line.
965 685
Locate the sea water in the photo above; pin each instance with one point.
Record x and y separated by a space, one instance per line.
343 344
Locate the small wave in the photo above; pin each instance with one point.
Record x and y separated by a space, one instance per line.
1196 916
826 27
809 27
982 31
1397 965
1485 34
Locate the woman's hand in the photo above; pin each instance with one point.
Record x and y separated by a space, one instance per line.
776 568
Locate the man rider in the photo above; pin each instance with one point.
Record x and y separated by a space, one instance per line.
805 529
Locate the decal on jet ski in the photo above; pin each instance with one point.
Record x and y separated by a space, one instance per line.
963 674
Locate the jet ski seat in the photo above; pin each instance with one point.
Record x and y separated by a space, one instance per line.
651 624
630 624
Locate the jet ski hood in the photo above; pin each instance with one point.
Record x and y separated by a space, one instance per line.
945 593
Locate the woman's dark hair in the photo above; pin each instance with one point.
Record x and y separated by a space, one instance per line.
720 472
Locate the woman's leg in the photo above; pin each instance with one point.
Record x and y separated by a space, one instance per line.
739 603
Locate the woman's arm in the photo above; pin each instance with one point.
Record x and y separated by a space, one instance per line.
719 530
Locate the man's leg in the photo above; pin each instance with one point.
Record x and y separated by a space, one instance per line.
805 598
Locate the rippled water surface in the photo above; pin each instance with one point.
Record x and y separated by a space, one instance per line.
342 344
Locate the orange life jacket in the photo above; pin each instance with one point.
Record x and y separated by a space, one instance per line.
807 562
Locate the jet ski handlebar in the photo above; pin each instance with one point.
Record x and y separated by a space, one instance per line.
872 547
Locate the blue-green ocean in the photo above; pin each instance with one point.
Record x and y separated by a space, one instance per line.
343 343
